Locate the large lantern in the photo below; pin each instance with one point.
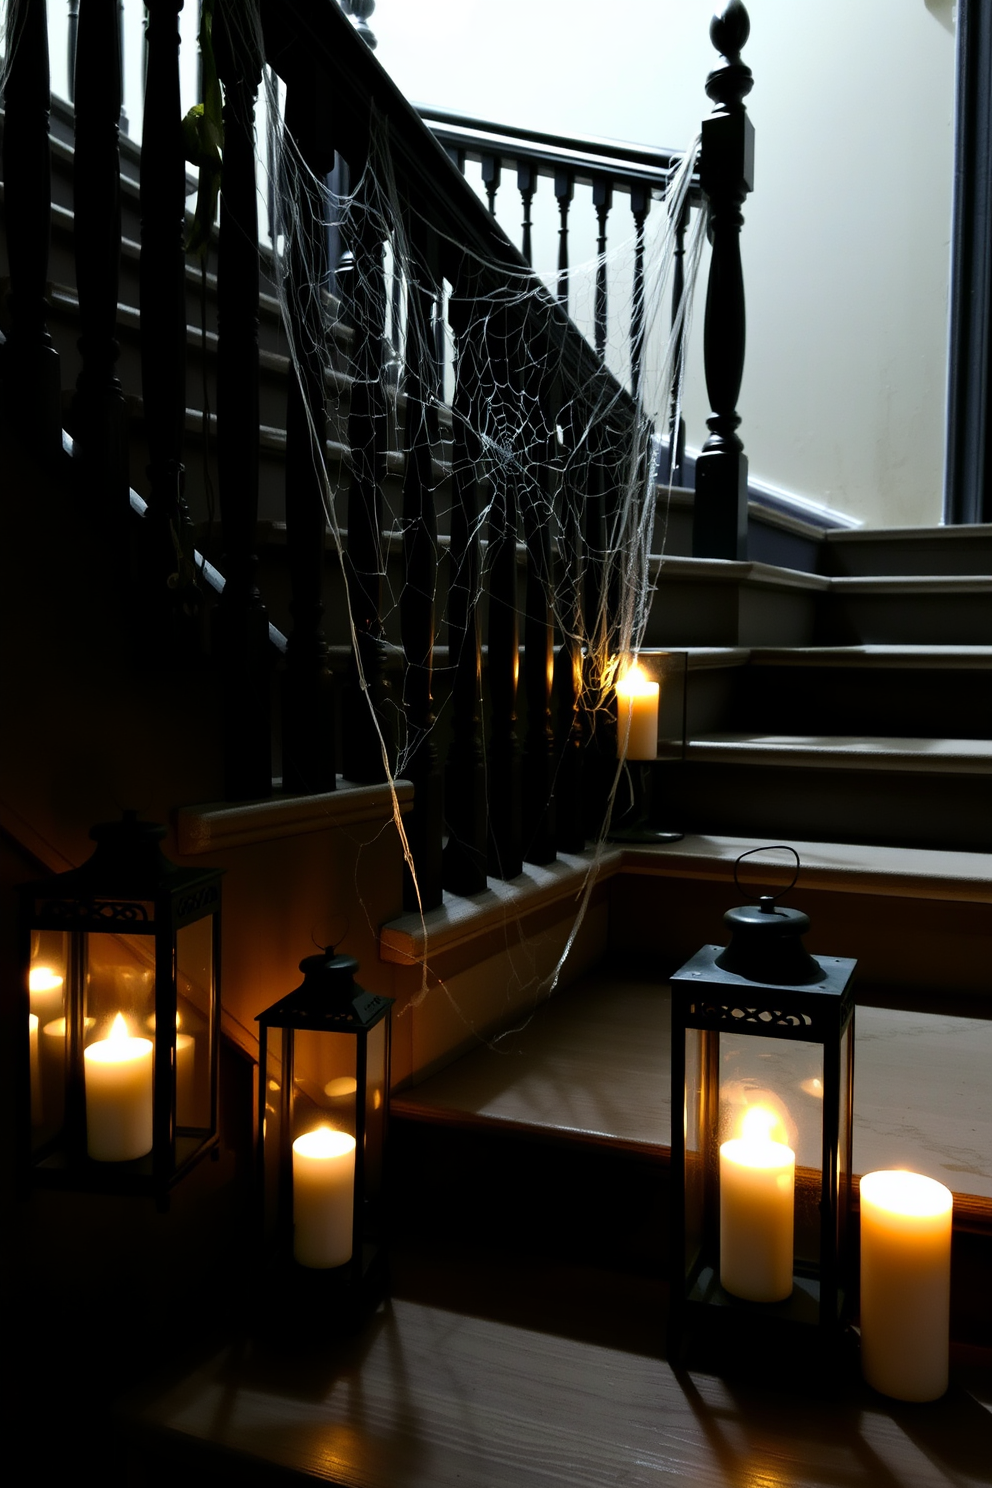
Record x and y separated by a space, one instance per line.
121 1017
324 1057
762 1091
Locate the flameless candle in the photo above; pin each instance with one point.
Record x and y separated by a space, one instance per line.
637 715
905 1284
757 1200
323 1197
118 1073
45 993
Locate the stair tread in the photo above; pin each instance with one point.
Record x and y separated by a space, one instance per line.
592 1066
942 657
896 752
437 1396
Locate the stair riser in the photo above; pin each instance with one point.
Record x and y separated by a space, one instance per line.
860 701
892 807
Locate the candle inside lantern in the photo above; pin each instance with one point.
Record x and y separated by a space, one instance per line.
118 1074
323 1197
45 993
757 1201
905 1284
637 715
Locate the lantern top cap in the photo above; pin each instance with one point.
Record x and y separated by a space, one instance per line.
766 945
328 997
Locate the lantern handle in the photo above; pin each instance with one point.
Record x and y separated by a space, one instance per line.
769 899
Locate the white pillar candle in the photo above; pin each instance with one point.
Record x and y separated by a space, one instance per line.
757 1201
323 1197
637 715
118 1074
45 993
905 1284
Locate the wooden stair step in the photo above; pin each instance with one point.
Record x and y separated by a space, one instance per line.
433 1397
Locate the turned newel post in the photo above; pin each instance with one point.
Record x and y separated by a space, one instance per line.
726 172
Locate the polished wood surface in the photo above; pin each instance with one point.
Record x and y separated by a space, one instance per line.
593 1062
432 1398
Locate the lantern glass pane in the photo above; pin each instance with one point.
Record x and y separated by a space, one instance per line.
119 980
324 1081
694 1126
272 1117
194 1024
118 1045
375 1109
47 989
773 1088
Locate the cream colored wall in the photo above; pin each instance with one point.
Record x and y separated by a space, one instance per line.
846 239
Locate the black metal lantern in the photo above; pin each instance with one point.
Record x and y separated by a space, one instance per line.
121 1017
762 1118
324 1058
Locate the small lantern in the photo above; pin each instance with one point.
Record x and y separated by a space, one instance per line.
762 1073
121 1016
324 1056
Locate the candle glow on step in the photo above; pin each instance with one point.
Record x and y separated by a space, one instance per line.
118 1073
757 1203
905 1284
637 715
323 1197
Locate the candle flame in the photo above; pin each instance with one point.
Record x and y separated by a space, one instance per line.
118 1029
758 1124
634 682
325 1142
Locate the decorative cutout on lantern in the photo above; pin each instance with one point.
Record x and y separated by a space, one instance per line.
119 955
763 1067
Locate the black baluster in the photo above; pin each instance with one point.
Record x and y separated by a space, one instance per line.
505 852
564 191
602 200
423 825
640 205
570 835
527 185
676 423
30 361
539 399
308 714
362 748
123 120
71 35
99 421
726 170
243 624
464 861
170 594
492 170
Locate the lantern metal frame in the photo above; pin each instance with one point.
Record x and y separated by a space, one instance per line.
126 888
328 1001
717 993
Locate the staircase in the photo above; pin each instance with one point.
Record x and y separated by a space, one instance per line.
833 691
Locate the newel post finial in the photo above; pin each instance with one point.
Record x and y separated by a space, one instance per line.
726 173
